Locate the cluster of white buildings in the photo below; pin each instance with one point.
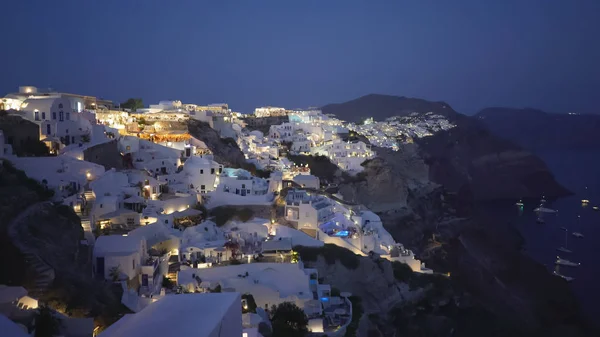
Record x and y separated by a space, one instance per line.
393 131
144 222
355 228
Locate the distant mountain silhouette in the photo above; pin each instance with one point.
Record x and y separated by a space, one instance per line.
538 130
467 159
381 107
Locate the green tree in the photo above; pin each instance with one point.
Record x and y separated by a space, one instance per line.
133 104
46 324
288 320
115 273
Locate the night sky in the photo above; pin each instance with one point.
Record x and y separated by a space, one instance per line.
249 53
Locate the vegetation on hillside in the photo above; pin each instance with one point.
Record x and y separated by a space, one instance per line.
222 214
357 312
133 104
288 320
320 166
331 253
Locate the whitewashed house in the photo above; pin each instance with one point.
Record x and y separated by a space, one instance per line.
59 123
307 211
241 182
307 181
201 174
118 257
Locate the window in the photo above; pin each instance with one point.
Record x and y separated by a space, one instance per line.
154 189
201 171
54 115
202 187
220 170
43 115
100 205
61 116
212 171
67 131
72 139
128 148
243 185
36 115
48 129
60 106
68 116
133 264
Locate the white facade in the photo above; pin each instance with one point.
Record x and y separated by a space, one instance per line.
307 181
307 211
283 132
202 174
57 118
189 315
116 252
241 182
269 111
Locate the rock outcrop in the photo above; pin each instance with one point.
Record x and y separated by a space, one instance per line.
466 159
225 151
470 160
386 181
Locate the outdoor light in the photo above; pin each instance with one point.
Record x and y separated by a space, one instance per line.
88 175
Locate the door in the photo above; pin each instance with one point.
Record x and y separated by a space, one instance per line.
100 267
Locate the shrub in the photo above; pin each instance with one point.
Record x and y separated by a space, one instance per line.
331 253
402 272
167 283
223 214
357 312
288 320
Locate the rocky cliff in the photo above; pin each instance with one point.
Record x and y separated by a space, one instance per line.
466 159
226 151
470 160
42 250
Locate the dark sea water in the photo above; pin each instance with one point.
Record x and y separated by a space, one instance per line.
579 171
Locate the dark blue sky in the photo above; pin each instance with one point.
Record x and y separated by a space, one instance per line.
248 53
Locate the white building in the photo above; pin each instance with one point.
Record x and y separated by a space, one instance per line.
269 111
58 121
202 174
307 211
283 132
307 181
269 283
241 182
64 174
348 156
119 254
189 315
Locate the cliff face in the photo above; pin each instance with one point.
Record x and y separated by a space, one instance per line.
225 151
470 160
538 130
386 181
466 159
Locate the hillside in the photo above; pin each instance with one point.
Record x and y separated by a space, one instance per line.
467 158
383 106
537 130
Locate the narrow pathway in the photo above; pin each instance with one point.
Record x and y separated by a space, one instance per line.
44 272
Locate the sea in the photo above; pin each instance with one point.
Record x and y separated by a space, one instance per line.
579 171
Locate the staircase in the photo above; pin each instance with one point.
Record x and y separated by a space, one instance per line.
85 217
44 274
